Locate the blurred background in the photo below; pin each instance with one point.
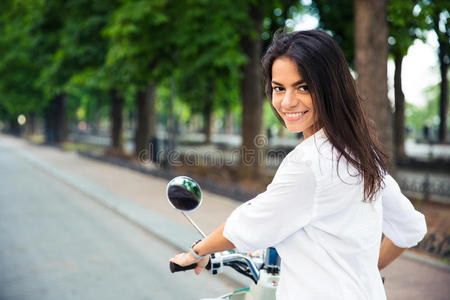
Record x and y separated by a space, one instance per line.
101 102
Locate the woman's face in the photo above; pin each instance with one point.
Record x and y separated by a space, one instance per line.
291 97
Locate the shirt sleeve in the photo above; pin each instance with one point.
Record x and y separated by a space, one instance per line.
402 224
285 207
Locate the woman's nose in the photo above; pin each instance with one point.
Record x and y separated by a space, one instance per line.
289 100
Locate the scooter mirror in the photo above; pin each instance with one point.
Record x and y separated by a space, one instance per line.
184 193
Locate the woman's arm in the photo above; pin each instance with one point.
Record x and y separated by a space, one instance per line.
388 253
402 223
214 242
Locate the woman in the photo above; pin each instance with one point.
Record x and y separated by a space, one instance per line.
331 198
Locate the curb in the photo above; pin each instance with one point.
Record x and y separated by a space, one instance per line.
427 260
229 191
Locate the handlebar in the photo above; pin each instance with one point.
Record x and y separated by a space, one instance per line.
217 260
249 266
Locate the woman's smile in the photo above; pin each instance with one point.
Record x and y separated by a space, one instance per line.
294 116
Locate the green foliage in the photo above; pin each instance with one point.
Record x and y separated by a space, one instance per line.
404 26
80 49
419 116
18 93
209 54
142 40
83 89
436 14
337 17
50 47
270 120
84 48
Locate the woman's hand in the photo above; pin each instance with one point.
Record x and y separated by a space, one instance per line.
186 259
214 242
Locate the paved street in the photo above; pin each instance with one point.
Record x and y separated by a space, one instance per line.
56 243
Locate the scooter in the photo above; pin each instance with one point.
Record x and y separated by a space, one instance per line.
263 266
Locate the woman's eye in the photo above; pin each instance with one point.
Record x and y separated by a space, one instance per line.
303 88
277 89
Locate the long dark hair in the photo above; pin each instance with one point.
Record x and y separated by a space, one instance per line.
336 102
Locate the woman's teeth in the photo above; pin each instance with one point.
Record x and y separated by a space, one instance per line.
294 115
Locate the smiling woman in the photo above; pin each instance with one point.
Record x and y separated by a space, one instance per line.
331 197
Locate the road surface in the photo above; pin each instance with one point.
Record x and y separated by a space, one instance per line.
57 243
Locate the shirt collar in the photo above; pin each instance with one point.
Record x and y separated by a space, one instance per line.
319 135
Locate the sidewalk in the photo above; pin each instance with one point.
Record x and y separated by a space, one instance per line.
412 147
128 192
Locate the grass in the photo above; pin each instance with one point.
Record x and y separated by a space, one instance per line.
79 146
68 146
36 138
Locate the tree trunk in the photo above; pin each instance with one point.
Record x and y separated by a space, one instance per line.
171 120
56 120
371 53
117 103
14 127
60 118
141 133
95 122
399 117
207 121
49 124
145 127
443 98
229 122
252 96
30 126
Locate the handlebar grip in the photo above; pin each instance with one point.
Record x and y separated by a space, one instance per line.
176 268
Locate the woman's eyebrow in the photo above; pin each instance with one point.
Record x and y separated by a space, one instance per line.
294 84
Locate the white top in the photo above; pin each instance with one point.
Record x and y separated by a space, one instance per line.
327 237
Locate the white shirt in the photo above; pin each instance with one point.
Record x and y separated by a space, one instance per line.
327 237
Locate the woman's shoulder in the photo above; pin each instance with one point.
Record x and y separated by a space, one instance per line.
315 146
326 161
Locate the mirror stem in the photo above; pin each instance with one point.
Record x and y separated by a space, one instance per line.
195 225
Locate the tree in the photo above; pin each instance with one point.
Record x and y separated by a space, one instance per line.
436 15
46 39
145 123
142 37
361 31
18 69
404 28
371 53
251 87
209 56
